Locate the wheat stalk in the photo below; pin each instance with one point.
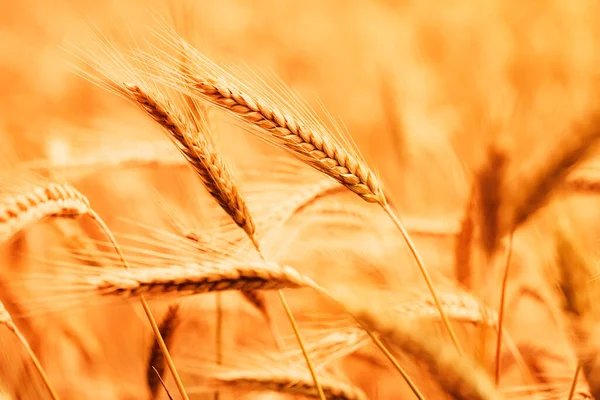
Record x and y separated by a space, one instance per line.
6 320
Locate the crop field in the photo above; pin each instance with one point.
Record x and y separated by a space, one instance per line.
299 199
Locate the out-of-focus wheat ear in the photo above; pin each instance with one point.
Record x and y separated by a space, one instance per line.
490 185
6 320
530 188
457 374
155 368
464 242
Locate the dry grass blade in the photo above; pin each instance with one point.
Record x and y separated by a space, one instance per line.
155 369
6 320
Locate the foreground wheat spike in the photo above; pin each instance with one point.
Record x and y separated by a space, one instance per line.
6 320
294 128
36 203
156 363
458 375
189 279
209 166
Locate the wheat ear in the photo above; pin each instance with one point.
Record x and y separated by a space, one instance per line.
35 204
288 383
193 279
208 165
219 183
301 133
6 320
310 143
457 374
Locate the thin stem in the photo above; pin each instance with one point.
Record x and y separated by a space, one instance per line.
394 362
502 301
162 382
574 383
309 363
425 274
12 327
161 343
219 336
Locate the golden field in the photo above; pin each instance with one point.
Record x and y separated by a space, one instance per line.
461 139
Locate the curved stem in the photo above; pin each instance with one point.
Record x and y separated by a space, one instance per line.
425 274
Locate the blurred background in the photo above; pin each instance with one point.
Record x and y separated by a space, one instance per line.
422 87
